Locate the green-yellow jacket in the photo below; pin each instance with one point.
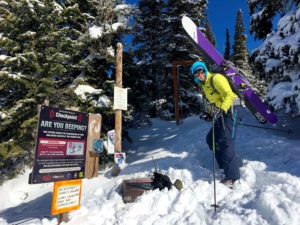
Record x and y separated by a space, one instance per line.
224 96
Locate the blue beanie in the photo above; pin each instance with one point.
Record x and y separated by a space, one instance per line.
196 66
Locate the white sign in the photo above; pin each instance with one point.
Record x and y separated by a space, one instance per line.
109 145
120 98
68 196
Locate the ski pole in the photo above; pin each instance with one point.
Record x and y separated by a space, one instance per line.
267 128
214 166
154 162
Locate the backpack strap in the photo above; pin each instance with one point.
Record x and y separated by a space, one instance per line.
212 84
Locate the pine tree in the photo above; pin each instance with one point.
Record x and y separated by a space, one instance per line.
149 32
228 47
277 61
240 55
45 46
179 48
208 33
159 41
262 13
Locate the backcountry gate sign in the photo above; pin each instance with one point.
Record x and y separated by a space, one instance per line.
60 145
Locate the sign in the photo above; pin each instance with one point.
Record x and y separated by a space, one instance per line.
66 196
120 158
60 145
110 143
120 98
98 145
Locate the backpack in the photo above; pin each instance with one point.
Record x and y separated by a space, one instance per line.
233 87
161 181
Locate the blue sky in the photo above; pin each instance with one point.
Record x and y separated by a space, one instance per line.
222 14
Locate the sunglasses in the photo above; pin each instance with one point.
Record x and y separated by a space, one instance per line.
198 72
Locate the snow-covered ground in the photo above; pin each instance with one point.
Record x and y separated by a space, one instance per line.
269 191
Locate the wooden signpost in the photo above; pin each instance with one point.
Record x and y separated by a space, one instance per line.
175 64
92 159
66 197
118 110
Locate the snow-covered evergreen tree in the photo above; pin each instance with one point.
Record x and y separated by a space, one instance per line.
149 32
159 41
277 59
262 13
179 48
46 53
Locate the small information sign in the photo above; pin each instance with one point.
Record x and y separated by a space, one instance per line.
109 145
98 146
120 98
120 158
66 196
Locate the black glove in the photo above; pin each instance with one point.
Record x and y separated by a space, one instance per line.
205 116
215 111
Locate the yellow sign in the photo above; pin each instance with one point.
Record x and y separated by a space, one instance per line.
66 196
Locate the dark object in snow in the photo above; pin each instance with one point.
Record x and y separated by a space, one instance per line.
161 181
178 184
133 188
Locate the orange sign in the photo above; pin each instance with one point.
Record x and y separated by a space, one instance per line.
66 196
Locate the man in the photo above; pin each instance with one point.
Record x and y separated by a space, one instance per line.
219 93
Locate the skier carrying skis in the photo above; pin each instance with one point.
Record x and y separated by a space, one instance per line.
221 97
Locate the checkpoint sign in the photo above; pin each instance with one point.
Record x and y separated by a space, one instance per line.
60 146
66 196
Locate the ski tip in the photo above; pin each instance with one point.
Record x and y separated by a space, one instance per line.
185 19
187 22
190 27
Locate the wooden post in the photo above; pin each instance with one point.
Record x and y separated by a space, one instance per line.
176 94
63 217
118 113
92 160
175 64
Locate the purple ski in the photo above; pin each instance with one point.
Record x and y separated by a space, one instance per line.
254 104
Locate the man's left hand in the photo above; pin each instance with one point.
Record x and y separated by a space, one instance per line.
215 111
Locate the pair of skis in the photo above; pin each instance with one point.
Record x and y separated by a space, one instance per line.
253 103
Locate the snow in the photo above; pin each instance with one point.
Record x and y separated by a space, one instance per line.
95 32
3 57
279 57
3 115
110 51
269 191
16 76
81 91
117 25
58 7
103 101
80 77
3 3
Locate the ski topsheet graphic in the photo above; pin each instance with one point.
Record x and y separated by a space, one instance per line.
254 104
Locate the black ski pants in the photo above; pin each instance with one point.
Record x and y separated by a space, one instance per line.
224 144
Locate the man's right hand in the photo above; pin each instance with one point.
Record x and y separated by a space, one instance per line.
206 116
